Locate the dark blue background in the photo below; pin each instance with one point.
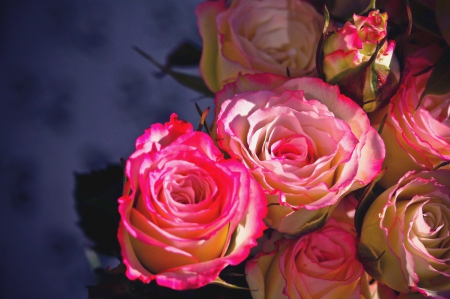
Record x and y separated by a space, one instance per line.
74 96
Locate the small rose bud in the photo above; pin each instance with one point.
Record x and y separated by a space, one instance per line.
359 58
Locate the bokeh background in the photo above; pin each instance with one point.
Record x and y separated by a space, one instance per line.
74 96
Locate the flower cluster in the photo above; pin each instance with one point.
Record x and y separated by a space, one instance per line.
325 170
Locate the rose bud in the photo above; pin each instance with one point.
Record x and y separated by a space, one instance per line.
360 59
189 213
303 141
253 36
405 237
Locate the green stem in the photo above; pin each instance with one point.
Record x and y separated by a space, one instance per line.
372 6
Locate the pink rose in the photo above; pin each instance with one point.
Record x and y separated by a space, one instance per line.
348 61
405 238
252 36
190 212
416 139
321 264
303 141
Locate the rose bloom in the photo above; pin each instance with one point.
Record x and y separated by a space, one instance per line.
304 142
351 47
416 139
405 238
252 36
322 264
189 212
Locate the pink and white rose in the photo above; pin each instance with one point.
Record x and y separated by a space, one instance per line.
252 36
322 264
189 212
416 139
303 141
405 238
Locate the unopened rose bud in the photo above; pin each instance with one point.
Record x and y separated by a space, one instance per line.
360 59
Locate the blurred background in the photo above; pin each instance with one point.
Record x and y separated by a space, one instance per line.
74 97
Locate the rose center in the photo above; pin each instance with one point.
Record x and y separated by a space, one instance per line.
296 148
187 189
429 219
431 229
321 256
438 107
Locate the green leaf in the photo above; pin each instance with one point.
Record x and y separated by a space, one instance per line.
313 225
319 49
424 17
329 6
442 13
401 48
438 82
384 91
443 164
352 81
368 196
371 6
370 261
185 54
410 22
93 258
203 115
193 82
96 195
223 283
383 121
343 11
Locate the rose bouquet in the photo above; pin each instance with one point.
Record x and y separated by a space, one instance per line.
324 173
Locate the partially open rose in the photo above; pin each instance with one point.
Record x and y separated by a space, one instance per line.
189 212
322 264
351 60
304 142
405 238
252 36
416 139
